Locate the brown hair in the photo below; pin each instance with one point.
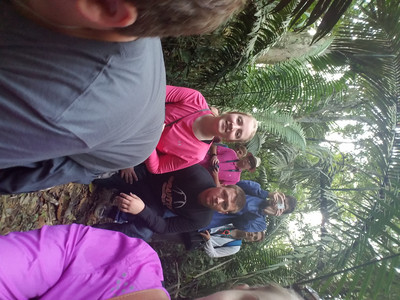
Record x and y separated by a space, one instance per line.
252 160
292 201
240 197
179 17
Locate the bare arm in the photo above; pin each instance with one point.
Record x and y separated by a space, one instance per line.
215 176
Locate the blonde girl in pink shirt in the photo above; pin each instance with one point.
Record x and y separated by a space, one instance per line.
190 128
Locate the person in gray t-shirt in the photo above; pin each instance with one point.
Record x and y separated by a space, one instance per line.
82 89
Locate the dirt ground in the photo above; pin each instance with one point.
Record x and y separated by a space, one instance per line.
77 203
65 204
73 203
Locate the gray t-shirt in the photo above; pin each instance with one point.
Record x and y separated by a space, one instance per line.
99 103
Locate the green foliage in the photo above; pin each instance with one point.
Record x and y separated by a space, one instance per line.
283 126
352 251
285 87
206 60
211 59
253 264
330 11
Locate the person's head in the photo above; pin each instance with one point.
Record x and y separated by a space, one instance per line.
248 236
241 150
249 162
279 203
244 292
125 20
180 17
223 199
236 127
254 236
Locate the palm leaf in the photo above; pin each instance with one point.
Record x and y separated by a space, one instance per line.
283 126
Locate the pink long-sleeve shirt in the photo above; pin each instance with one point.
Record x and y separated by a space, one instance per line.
178 147
228 172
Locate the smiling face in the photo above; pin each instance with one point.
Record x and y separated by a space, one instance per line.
253 236
233 127
221 199
247 236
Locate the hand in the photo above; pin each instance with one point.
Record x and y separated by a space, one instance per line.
130 203
206 235
278 199
215 173
215 176
214 160
128 175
